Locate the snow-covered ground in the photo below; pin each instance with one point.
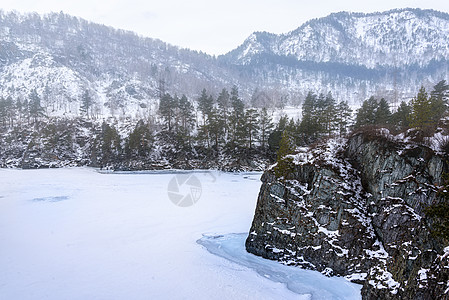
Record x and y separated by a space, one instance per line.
80 234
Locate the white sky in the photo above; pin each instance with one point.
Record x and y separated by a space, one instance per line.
214 27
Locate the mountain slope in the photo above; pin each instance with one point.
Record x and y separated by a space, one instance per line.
61 56
389 54
393 38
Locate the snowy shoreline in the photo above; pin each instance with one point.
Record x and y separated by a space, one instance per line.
306 283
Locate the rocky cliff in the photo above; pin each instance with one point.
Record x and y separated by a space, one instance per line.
357 208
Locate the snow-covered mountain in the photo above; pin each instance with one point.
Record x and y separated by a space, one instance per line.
62 56
395 38
388 54
353 54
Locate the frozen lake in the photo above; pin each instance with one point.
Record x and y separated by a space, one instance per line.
80 234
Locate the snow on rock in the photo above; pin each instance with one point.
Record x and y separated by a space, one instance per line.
355 208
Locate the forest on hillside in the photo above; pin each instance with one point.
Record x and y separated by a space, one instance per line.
207 132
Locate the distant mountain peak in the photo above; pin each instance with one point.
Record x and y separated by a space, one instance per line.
396 37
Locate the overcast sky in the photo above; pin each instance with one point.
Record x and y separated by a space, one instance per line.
215 27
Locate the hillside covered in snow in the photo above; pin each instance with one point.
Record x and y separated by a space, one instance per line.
355 56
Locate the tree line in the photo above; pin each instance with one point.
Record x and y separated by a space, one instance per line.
322 117
29 110
423 113
221 123
224 124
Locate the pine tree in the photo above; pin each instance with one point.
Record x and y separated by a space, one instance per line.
343 117
11 111
139 141
236 119
176 114
208 130
422 115
215 129
275 136
266 127
441 91
19 109
35 110
401 117
109 142
86 104
252 125
366 115
205 105
286 145
293 130
309 127
241 136
260 99
224 104
383 113
327 118
167 109
25 114
3 111
236 103
439 98
284 163
223 100
187 120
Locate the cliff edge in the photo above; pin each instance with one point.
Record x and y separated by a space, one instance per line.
357 208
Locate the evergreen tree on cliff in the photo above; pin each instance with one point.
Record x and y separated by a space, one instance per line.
284 163
383 113
275 136
401 118
366 115
309 127
327 115
286 145
343 117
421 116
439 98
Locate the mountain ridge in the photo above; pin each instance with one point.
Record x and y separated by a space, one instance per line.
61 56
338 21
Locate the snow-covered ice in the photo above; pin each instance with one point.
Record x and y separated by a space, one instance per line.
308 284
79 234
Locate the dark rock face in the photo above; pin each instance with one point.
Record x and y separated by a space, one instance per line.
356 209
